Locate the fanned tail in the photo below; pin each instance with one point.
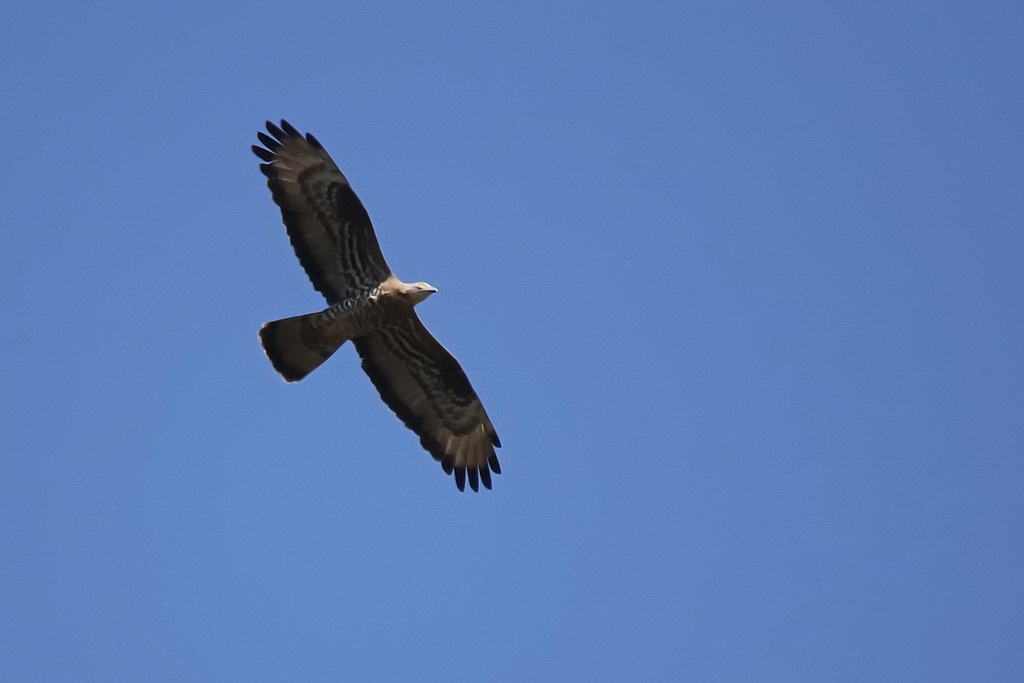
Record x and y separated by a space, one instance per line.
297 346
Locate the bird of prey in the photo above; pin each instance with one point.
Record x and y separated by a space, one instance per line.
335 243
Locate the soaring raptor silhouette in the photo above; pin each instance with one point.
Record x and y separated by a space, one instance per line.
334 240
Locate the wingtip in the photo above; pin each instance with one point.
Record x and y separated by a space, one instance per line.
270 143
264 154
275 131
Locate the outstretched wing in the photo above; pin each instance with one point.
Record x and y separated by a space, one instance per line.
327 224
425 386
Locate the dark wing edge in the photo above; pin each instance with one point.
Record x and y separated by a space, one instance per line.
327 225
427 389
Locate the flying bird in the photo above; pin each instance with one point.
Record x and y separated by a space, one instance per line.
334 240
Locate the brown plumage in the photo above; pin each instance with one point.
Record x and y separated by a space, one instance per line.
334 240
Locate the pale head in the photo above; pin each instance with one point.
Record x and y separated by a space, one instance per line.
417 291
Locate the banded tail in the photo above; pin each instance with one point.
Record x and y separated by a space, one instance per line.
298 346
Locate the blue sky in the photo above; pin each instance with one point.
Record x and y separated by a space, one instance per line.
739 283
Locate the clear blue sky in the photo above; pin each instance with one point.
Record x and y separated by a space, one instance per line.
739 283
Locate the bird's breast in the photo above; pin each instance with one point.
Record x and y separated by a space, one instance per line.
357 316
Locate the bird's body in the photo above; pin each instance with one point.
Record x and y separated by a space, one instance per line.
289 342
368 305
